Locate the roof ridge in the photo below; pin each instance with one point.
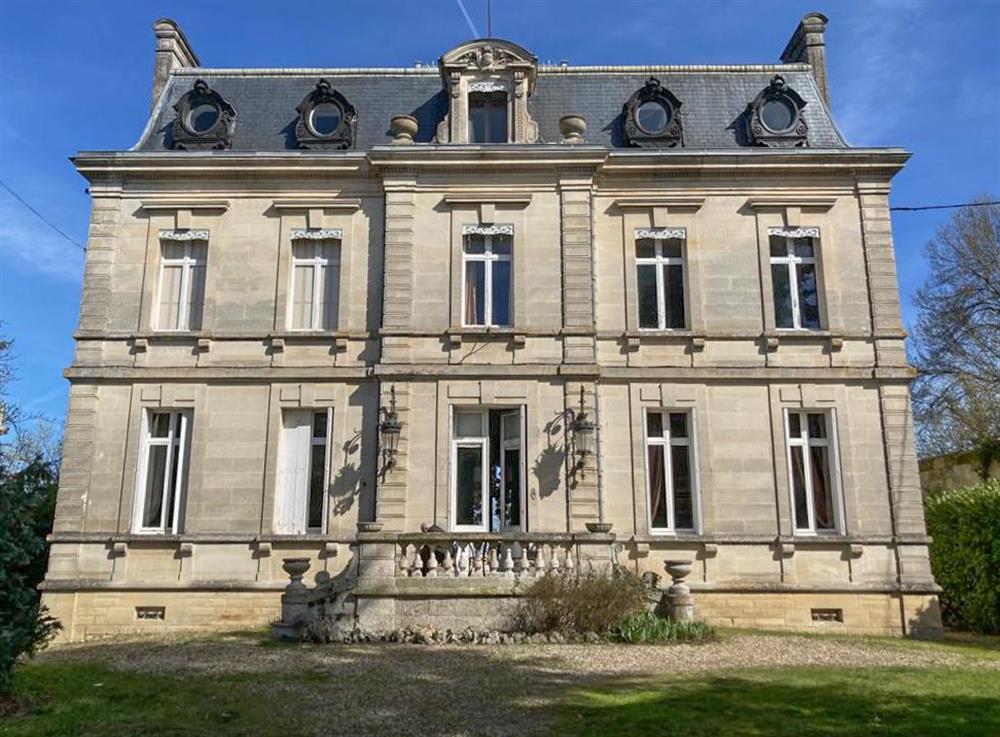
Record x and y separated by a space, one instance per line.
433 71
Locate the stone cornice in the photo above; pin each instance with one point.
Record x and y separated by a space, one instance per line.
866 164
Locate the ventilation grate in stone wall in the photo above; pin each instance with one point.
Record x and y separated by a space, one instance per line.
151 612
827 615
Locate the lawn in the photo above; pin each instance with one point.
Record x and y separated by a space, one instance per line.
746 684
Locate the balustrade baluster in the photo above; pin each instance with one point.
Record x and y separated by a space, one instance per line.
518 552
403 566
447 563
569 565
507 562
540 567
463 560
432 563
477 560
554 560
493 565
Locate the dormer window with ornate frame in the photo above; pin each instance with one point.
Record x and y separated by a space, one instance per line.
653 117
774 118
488 82
204 120
326 119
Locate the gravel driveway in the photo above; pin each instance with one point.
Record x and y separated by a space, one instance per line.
455 690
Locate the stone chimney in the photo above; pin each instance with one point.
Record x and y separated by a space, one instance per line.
172 51
808 47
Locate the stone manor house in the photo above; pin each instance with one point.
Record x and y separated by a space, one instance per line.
469 323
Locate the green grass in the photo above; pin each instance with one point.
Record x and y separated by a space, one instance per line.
86 700
66 696
794 702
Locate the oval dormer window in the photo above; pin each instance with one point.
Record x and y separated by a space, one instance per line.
325 119
778 114
653 117
202 118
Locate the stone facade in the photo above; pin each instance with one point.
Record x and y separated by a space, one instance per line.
574 344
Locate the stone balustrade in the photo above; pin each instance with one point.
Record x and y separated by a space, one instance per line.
479 555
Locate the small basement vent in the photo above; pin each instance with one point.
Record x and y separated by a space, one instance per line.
827 615
151 612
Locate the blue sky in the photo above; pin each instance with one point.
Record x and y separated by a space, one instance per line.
922 74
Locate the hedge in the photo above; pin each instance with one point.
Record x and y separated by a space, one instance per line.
965 555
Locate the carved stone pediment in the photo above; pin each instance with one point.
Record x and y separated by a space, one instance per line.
204 120
774 118
489 55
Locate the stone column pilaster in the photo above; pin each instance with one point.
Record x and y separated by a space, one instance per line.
397 299
575 200
390 503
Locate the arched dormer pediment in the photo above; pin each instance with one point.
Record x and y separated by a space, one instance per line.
488 82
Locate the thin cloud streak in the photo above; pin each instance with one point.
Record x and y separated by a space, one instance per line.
881 81
30 247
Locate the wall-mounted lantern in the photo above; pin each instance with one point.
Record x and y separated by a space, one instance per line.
390 428
583 434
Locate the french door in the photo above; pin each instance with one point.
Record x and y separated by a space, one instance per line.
487 470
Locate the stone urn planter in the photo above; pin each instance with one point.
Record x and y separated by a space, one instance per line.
403 128
602 528
678 570
573 127
680 601
295 568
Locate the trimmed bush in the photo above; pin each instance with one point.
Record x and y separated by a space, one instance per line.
652 628
580 604
965 555
26 504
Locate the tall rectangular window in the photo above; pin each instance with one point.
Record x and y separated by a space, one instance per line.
182 284
660 281
794 280
670 470
162 479
315 285
486 275
811 466
488 117
302 476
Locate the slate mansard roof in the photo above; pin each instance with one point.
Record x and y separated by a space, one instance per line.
714 101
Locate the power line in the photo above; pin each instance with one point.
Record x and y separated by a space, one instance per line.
39 215
943 207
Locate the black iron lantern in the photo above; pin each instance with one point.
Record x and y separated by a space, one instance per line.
583 434
390 429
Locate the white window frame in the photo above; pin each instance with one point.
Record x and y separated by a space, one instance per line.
321 272
177 441
482 441
805 441
668 441
659 261
187 262
302 526
792 263
488 258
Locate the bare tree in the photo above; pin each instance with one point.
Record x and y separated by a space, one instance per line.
956 343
